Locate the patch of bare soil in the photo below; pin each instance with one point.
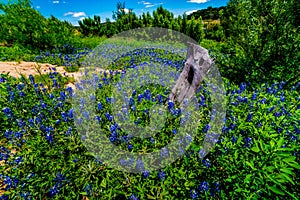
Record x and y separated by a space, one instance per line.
26 68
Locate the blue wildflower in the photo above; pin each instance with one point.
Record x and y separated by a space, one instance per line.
88 189
161 175
140 165
234 139
248 142
206 163
133 197
146 174
193 194
204 186
130 147
249 117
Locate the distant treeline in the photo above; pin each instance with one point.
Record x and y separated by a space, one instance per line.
208 13
128 20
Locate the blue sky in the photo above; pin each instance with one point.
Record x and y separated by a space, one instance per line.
74 10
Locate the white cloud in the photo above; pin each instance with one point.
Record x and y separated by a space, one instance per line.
144 2
151 5
148 4
190 12
125 10
75 14
55 2
38 7
197 1
81 18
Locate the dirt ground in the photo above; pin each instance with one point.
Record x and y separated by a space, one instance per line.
27 68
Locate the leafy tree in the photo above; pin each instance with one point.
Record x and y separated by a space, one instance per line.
25 26
267 35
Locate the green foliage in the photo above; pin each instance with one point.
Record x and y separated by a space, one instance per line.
208 13
266 34
25 26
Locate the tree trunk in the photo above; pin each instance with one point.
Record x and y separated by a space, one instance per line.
195 69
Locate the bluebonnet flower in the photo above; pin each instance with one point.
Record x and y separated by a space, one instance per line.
206 128
147 94
49 137
25 195
62 96
140 165
161 175
259 125
171 105
146 174
64 116
88 189
202 153
277 114
206 163
70 91
21 123
242 88
133 197
109 117
271 109
253 96
249 117
31 78
2 80
7 112
131 101
263 101
193 194
18 160
152 140
174 131
204 186
21 94
54 190
164 152
140 97
215 188
123 162
130 147
11 96
234 139
10 182
133 93
232 126
108 100
294 138
99 105
248 142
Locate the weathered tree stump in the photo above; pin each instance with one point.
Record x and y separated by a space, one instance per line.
196 67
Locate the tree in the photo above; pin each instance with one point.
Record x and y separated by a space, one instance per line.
267 35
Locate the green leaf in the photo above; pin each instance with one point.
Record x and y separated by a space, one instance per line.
287 170
103 183
150 197
255 149
276 190
251 165
280 142
294 164
289 179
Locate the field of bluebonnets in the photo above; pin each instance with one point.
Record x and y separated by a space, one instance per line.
256 157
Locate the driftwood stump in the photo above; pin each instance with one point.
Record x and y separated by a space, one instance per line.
196 67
